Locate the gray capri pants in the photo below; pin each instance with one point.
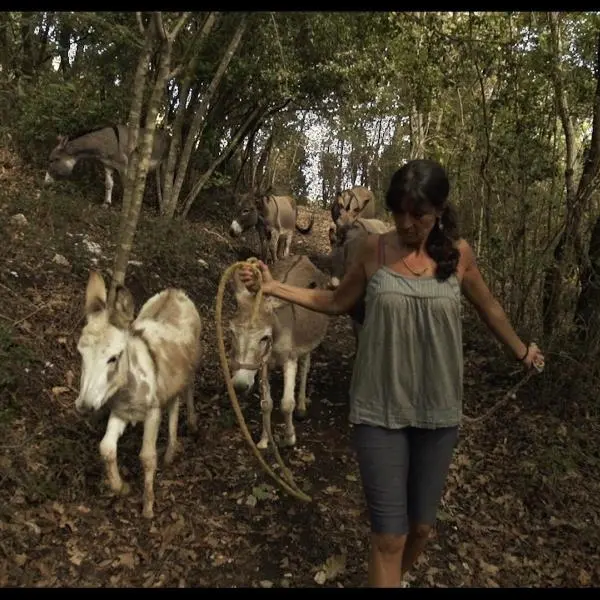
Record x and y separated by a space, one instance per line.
403 473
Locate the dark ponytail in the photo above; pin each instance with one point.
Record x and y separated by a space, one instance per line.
441 244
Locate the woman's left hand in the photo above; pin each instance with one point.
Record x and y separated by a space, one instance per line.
534 358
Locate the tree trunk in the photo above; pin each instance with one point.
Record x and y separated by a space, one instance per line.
233 144
198 122
575 196
175 145
141 155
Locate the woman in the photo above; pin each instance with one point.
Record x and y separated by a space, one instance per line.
406 388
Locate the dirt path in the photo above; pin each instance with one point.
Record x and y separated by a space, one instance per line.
520 509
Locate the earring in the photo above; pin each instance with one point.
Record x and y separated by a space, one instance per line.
440 224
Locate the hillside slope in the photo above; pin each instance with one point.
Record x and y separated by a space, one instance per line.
522 493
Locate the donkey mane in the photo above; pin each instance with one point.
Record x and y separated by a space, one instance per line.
82 132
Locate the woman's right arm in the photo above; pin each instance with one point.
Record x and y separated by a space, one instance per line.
332 302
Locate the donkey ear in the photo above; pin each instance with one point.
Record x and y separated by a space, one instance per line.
62 140
261 201
124 309
95 294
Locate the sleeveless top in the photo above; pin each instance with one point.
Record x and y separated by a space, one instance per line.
408 369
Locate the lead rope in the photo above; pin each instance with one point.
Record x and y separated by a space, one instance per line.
508 396
290 486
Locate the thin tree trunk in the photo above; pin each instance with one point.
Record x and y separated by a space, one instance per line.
554 273
175 145
198 121
137 177
234 143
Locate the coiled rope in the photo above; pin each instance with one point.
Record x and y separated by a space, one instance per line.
289 486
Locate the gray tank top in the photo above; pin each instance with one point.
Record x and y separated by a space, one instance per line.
408 369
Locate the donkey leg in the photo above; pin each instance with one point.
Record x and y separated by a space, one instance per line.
302 400
173 420
148 458
192 418
290 368
288 244
109 183
266 407
108 450
273 244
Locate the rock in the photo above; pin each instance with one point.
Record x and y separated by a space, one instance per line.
19 220
59 259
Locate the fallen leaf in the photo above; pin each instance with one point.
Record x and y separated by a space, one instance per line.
76 556
59 508
59 389
584 577
334 566
309 457
127 559
265 583
21 559
320 577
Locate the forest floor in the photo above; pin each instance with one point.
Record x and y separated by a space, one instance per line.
521 507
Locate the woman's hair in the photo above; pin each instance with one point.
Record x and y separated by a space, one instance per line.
424 182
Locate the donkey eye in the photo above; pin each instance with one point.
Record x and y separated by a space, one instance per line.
113 359
265 339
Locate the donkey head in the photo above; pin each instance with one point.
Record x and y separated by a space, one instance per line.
61 162
246 215
103 344
251 343
351 207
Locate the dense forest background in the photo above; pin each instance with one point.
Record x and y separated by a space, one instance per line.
301 103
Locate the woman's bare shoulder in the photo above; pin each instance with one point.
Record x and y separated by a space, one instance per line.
467 255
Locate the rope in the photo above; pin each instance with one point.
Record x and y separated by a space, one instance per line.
511 392
290 487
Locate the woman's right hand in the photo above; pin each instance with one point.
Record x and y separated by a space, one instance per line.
248 278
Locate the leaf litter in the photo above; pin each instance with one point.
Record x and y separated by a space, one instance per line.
521 506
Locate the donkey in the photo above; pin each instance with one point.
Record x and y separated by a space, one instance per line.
137 368
351 204
343 253
109 146
283 335
274 218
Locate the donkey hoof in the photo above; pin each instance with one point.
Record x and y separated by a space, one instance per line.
289 441
301 414
148 513
125 489
193 426
169 455
263 444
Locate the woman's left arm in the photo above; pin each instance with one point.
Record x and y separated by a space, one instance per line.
489 309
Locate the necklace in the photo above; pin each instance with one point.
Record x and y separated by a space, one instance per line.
416 273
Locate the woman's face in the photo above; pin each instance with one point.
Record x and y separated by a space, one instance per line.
415 221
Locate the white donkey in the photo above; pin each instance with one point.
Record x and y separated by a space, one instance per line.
282 335
138 367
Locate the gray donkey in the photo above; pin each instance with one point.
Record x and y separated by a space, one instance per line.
109 146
